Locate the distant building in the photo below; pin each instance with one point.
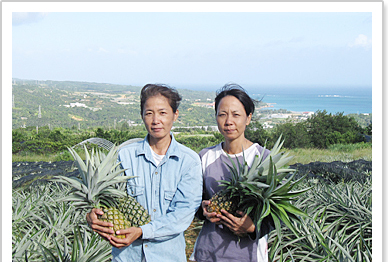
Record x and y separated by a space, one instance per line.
77 104
308 114
267 126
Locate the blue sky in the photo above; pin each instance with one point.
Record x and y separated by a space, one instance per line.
195 49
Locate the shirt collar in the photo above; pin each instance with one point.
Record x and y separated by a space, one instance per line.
173 149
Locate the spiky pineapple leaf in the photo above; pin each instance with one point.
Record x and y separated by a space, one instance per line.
80 164
283 216
255 186
291 208
263 213
100 175
284 187
290 195
255 163
277 223
73 182
265 189
108 163
111 179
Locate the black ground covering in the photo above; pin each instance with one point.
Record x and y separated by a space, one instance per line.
358 170
34 173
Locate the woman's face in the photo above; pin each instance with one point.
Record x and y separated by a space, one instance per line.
232 118
158 117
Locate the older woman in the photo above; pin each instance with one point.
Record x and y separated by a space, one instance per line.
225 237
168 185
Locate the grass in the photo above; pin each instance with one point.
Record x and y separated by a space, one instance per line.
344 153
33 158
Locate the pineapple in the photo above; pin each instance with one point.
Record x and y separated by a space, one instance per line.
223 199
102 186
261 191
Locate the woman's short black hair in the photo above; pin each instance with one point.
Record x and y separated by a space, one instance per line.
150 90
232 89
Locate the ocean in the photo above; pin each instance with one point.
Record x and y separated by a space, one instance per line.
333 100
347 100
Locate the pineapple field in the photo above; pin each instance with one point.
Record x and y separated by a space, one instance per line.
338 204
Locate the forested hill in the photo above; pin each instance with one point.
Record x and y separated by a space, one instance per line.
83 104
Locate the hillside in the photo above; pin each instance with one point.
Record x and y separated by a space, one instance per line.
83 105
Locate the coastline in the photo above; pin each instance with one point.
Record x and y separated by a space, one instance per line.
300 100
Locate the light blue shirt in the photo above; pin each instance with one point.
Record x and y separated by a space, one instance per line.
171 192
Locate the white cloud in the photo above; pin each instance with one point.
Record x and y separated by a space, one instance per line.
20 18
102 50
361 41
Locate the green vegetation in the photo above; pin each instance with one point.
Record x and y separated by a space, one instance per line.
82 105
319 131
322 131
339 224
343 153
362 119
338 227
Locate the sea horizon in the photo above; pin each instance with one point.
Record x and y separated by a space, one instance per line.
346 100
338 100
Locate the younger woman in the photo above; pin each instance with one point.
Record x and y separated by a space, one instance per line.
226 237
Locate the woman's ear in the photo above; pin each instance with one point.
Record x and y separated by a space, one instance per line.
249 118
176 114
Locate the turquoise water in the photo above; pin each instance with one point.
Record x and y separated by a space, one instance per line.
334 100
347 100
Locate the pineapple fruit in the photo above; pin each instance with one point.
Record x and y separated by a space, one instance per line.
262 190
223 199
102 186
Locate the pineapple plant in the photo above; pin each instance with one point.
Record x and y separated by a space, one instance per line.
102 186
262 190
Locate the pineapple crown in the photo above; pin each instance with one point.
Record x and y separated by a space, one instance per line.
264 189
257 175
101 182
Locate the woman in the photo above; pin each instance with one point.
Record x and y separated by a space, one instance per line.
168 185
225 237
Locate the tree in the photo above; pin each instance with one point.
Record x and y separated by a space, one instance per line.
124 126
18 138
368 129
56 135
257 134
326 129
294 135
102 134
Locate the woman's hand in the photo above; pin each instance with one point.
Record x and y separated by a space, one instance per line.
212 217
238 225
98 226
131 234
